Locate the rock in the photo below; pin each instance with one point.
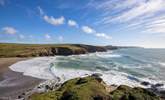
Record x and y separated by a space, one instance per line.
47 87
69 95
145 83
159 85
23 93
39 87
96 75
162 94
81 81
19 97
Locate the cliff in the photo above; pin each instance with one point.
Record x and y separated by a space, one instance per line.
35 50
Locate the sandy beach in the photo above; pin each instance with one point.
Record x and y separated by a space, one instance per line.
13 84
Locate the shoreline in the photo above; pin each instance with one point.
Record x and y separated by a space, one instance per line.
13 84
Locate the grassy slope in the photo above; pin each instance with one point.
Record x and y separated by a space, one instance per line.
76 89
29 50
91 88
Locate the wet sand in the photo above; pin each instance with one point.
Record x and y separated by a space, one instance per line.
13 84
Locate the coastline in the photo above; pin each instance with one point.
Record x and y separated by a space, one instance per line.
13 84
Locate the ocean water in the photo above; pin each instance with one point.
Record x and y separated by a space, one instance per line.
129 66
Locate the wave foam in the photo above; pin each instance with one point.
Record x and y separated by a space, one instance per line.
36 67
42 68
162 63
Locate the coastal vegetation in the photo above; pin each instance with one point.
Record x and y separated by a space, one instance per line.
93 88
35 50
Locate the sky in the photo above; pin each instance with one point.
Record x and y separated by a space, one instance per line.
95 22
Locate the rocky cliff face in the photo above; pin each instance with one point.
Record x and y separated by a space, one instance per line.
67 51
90 48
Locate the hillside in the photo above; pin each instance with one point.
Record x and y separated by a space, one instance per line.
93 88
35 50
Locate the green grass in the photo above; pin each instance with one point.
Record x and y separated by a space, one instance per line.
76 89
30 50
127 93
91 88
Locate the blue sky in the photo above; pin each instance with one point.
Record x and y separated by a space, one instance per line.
97 22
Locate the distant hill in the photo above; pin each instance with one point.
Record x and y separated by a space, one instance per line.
35 50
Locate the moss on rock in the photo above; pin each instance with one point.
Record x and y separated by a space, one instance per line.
127 93
90 88
87 88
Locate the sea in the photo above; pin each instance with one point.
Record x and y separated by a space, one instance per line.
126 66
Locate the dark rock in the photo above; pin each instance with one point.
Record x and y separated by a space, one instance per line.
91 49
19 97
155 86
162 94
145 83
114 85
159 85
23 93
69 95
96 75
98 98
99 79
81 81
58 79
47 87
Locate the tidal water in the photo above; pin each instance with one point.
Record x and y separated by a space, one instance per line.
129 66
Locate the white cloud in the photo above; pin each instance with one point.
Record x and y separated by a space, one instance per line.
51 19
144 9
128 10
61 38
103 35
9 30
40 10
72 23
54 21
87 29
141 15
47 36
156 28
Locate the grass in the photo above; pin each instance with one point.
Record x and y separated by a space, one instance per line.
91 88
127 93
30 50
76 89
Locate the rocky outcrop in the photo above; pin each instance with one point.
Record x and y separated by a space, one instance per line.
90 48
67 51
110 47
93 88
